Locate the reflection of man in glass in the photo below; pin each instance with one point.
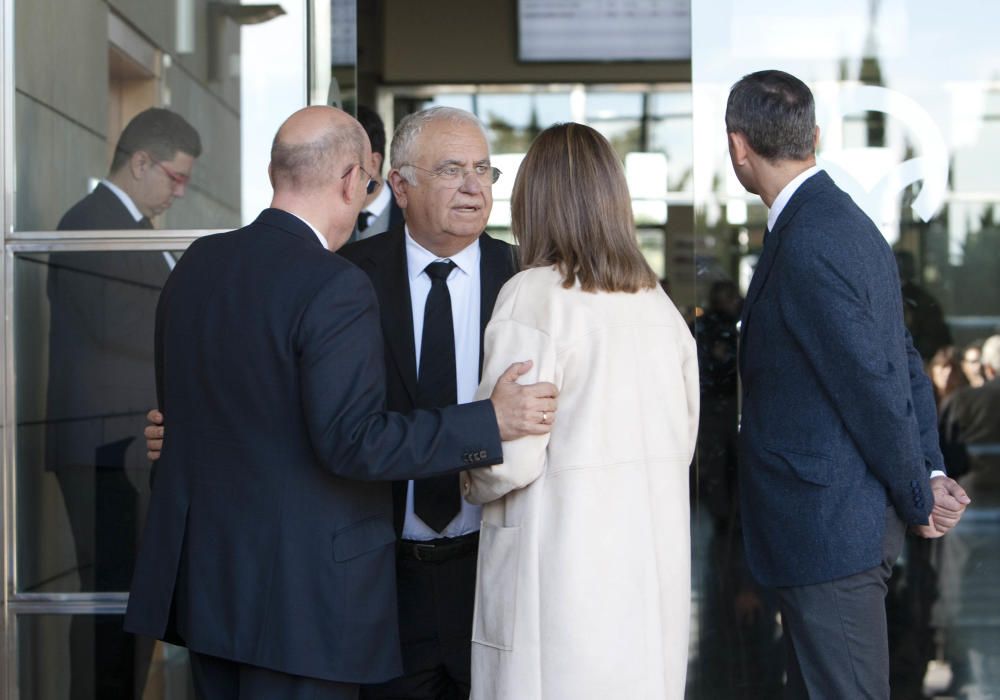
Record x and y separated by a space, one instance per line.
101 379
151 167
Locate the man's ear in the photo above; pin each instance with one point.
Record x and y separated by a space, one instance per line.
816 139
138 163
349 189
398 184
270 175
739 149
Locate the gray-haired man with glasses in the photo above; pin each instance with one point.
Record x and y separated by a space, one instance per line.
437 278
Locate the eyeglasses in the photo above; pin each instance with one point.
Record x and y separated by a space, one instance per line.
372 182
454 176
179 179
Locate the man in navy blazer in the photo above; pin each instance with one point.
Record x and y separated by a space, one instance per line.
838 442
269 548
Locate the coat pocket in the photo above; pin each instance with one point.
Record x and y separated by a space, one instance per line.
496 586
362 537
807 466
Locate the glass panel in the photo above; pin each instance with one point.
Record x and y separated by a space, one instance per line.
84 359
617 115
90 657
84 71
914 139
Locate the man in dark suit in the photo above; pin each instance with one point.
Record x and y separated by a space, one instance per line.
380 213
838 444
101 380
443 179
269 549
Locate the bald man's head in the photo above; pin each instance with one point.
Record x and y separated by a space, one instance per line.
313 148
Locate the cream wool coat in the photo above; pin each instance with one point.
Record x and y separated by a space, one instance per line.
584 562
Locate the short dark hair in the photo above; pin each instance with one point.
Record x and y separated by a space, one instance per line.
161 133
776 113
373 126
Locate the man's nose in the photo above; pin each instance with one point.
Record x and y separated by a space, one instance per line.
471 183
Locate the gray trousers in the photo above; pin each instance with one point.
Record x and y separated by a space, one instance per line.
835 632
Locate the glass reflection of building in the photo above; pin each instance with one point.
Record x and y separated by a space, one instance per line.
908 98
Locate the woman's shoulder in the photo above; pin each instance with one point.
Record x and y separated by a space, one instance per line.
528 294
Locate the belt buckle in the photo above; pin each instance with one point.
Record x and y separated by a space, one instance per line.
418 548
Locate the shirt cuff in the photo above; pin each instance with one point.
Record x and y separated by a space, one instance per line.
937 472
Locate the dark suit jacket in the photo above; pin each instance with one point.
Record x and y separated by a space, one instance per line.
269 539
99 210
102 305
838 416
383 259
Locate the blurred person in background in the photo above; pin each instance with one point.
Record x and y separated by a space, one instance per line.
972 363
946 373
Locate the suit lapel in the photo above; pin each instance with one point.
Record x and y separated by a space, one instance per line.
397 309
496 266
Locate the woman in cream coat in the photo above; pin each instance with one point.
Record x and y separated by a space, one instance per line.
584 560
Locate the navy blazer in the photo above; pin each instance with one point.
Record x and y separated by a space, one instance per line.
838 417
269 538
383 259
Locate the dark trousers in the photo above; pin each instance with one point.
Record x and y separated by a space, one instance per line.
102 505
221 679
835 632
436 599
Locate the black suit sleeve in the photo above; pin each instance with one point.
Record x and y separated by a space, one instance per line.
342 371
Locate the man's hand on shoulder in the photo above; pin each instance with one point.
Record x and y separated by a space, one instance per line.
154 435
950 501
523 410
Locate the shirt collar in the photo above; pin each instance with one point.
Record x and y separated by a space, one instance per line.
380 202
418 257
786 194
125 199
319 235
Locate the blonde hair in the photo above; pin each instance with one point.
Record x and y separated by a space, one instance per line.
571 208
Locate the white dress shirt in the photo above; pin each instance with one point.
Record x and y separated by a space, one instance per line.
465 289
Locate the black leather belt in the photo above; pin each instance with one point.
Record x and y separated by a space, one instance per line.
441 549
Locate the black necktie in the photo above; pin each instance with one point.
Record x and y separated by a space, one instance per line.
437 500
144 222
363 220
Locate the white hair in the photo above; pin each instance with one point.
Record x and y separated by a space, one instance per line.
991 353
405 142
